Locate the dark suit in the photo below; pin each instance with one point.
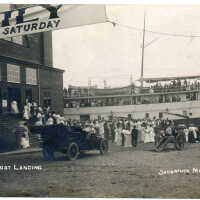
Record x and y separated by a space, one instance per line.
134 134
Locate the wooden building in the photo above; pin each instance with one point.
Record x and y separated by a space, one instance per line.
26 71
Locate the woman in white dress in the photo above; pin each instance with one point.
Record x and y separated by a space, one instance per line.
26 111
49 121
151 134
147 134
39 120
142 132
118 134
186 134
22 135
127 136
101 129
14 107
25 139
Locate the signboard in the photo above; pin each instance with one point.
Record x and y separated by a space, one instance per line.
47 17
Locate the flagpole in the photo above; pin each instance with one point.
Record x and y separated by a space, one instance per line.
142 62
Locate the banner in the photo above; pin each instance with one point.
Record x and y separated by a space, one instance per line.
47 17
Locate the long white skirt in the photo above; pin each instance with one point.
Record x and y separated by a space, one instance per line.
142 135
119 139
116 136
152 136
147 138
128 140
186 135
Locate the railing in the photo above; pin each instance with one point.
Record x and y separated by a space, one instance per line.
148 90
125 103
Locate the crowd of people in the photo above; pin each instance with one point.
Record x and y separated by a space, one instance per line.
176 85
121 131
129 132
159 86
173 86
33 114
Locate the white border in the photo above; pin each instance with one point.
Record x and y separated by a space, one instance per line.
152 2
138 2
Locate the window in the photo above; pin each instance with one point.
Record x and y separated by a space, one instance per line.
129 116
185 112
13 73
47 98
31 76
160 115
146 115
188 96
47 102
99 117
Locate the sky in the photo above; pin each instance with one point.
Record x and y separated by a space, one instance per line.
101 52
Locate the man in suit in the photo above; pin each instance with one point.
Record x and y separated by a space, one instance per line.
134 134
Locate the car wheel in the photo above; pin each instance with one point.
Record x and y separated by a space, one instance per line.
159 148
179 145
103 147
73 151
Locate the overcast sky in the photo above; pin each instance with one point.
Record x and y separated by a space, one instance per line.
103 52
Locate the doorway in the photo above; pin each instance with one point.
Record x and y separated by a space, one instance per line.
29 95
14 94
1 110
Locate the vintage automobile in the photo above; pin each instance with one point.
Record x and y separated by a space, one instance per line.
162 140
68 140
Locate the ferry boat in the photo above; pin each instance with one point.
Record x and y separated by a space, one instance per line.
167 97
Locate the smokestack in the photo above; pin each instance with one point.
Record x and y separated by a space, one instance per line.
131 79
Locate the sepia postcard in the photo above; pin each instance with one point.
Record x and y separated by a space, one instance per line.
100 100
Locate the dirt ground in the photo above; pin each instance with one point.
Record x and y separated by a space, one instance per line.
123 172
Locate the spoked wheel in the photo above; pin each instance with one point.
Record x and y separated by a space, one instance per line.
48 153
159 148
73 151
179 144
103 147
159 145
157 141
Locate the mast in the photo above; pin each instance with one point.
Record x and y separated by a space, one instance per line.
89 86
143 40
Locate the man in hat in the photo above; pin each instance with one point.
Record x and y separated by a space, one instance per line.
134 134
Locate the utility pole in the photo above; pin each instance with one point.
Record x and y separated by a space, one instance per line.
89 86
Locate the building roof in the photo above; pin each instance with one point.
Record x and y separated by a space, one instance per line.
152 80
25 63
